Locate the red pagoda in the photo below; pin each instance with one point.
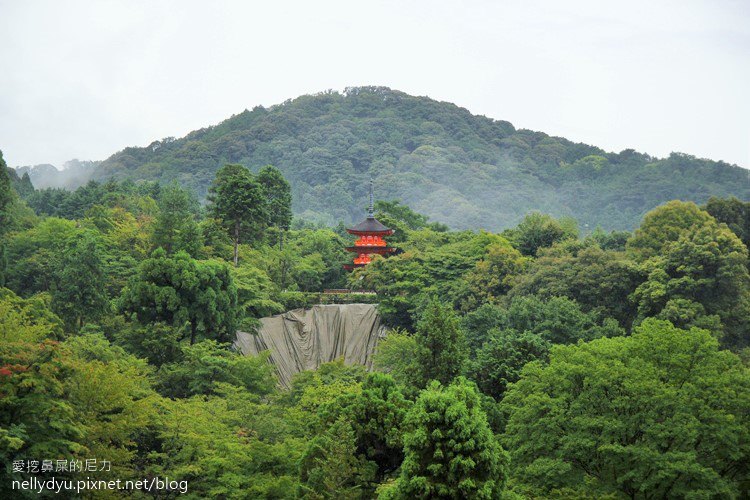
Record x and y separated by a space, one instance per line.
371 233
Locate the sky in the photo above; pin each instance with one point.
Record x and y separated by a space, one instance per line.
84 79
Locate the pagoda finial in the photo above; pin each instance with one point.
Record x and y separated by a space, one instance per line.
371 209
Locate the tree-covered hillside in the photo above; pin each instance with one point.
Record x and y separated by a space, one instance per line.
527 364
464 170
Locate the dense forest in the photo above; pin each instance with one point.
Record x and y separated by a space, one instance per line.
542 361
467 171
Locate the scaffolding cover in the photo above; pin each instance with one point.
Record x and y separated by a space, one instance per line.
302 339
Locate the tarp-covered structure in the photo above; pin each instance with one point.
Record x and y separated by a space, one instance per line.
302 339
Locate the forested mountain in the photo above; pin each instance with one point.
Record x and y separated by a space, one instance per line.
532 363
464 170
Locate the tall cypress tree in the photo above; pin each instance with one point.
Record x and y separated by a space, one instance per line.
278 195
450 451
441 340
79 293
237 199
176 228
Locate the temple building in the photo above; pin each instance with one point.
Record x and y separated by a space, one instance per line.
371 240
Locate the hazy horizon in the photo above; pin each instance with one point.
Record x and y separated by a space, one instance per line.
85 80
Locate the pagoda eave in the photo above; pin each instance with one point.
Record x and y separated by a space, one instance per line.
370 233
351 267
378 250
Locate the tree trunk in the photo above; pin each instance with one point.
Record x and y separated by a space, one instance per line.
281 239
193 329
236 242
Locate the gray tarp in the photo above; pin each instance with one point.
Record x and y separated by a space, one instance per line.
302 339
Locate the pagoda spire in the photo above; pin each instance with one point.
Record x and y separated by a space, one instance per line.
371 209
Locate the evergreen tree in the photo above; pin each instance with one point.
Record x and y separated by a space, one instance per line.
331 468
450 450
441 340
500 360
179 291
79 290
176 228
377 417
238 200
278 195
6 195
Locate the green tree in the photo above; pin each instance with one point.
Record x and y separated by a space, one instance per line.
732 212
331 468
175 228
238 200
499 361
6 195
664 225
202 367
598 280
376 414
707 265
558 320
538 230
79 293
34 256
179 291
441 340
660 414
397 355
450 451
278 195
493 276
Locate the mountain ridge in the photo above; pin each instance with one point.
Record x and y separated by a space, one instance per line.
468 171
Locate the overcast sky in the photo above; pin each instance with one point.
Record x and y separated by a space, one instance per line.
86 79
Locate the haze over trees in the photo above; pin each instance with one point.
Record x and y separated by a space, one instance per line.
545 361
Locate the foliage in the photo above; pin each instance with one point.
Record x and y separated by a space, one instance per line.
205 365
79 292
397 355
732 212
376 415
499 361
239 201
440 339
538 230
702 268
331 468
175 228
179 290
659 413
6 195
278 199
450 451
598 280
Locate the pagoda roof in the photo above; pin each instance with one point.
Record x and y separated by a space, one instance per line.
365 249
370 225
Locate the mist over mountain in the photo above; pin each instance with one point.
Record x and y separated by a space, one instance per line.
464 170
73 174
